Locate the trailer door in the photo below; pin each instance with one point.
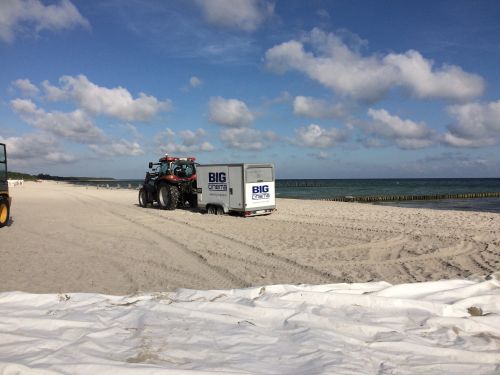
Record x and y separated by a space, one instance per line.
236 187
259 187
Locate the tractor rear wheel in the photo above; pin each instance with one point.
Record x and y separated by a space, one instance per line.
168 197
143 198
163 196
4 212
174 197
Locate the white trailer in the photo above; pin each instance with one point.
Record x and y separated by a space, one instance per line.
247 189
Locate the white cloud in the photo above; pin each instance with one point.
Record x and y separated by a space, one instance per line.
120 147
190 137
174 148
448 82
190 141
54 93
75 126
235 115
406 134
246 138
372 142
229 112
322 155
306 106
317 137
343 69
455 164
283 97
453 140
246 15
133 131
22 15
395 127
323 13
115 102
413 143
475 124
26 87
195 81
35 148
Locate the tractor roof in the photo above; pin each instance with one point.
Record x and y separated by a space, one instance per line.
175 158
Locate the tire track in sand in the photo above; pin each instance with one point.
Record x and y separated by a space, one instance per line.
233 256
256 255
283 269
188 259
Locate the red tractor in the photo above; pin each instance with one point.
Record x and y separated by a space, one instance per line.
171 183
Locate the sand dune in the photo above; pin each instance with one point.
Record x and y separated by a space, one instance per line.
65 238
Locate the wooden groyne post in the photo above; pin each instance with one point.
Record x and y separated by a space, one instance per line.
392 198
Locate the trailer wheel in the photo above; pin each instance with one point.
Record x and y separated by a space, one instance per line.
143 198
211 210
4 212
219 210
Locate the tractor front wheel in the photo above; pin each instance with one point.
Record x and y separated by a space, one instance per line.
4 212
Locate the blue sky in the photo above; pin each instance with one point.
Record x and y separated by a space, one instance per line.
324 89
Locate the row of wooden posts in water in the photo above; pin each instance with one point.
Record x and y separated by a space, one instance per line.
388 198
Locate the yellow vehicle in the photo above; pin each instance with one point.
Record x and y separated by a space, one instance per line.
5 199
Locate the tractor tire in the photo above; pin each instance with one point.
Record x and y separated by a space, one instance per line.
174 197
168 196
163 197
4 212
143 198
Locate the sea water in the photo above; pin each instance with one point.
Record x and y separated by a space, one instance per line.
324 189
331 188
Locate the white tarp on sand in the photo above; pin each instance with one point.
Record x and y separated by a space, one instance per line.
445 327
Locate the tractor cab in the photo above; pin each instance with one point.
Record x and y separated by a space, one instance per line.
5 199
177 168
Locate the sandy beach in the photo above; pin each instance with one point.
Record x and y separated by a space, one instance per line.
66 238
